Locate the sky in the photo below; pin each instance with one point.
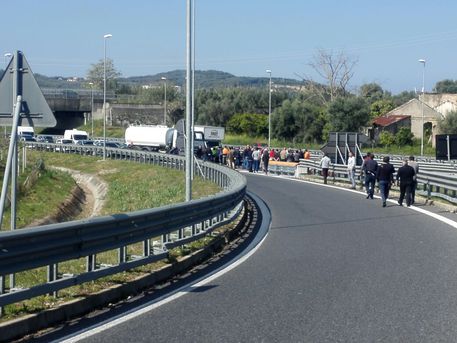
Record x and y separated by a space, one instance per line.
242 37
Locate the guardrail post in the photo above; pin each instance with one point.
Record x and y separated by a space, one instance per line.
122 255
334 177
429 191
52 271
90 263
146 248
2 290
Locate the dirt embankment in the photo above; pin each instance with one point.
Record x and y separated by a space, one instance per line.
86 199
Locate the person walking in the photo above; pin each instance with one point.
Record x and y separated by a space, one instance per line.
415 166
351 169
405 176
265 160
325 165
256 160
385 177
369 168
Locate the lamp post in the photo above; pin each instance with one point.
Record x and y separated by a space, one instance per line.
91 84
164 100
422 105
105 37
269 111
7 56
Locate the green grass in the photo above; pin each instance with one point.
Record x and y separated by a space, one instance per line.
51 189
131 186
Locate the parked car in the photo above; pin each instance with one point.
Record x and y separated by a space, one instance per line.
64 141
45 139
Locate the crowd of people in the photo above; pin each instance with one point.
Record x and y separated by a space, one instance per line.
382 173
251 158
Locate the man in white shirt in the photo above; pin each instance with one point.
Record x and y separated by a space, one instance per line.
351 169
325 165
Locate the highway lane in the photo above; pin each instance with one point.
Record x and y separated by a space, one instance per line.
334 267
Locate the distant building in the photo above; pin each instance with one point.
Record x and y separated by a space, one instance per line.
392 124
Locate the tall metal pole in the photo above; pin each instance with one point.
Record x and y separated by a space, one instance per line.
192 135
92 108
269 112
422 106
105 37
164 100
189 147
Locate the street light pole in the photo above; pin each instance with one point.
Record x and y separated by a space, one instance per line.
269 111
91 84
164 100
105 37
422 105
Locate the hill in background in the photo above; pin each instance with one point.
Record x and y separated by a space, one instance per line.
203 79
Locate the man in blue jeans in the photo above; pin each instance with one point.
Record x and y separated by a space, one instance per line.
385 177
370 167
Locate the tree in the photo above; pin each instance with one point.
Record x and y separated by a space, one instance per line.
299 121
404 136
386 138
448 125
337 69
372 92
446 86
251 124
348 114
96 74
381 107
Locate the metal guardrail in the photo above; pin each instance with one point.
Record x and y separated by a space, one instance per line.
432 180
157 229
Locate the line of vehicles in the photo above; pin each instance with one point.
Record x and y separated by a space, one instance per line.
139 137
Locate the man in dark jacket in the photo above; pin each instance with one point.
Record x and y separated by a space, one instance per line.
370 167
385 177
406 175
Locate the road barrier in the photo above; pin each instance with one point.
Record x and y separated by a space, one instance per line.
434 179
158 229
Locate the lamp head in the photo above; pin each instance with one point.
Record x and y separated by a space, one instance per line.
422 61
109 35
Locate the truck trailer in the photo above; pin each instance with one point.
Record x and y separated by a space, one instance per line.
160 137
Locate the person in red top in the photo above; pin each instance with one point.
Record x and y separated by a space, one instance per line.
272 154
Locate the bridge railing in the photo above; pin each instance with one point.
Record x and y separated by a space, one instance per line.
157 229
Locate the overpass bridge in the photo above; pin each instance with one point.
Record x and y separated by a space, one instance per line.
72 107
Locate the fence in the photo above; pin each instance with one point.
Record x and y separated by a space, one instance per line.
434 179
157 229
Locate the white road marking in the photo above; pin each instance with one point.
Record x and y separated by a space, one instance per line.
185 289
165 299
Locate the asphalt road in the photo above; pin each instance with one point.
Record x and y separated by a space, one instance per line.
334 267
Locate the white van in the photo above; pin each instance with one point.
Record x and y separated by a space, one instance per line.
25 131
76 135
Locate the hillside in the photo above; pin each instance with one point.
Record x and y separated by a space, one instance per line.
203 79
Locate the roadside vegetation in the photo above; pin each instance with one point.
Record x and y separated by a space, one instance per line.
132 186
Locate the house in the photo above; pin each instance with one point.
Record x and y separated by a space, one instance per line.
392 124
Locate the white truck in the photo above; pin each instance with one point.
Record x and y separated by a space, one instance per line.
76 135
25 131
160 137
212 135
150 137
